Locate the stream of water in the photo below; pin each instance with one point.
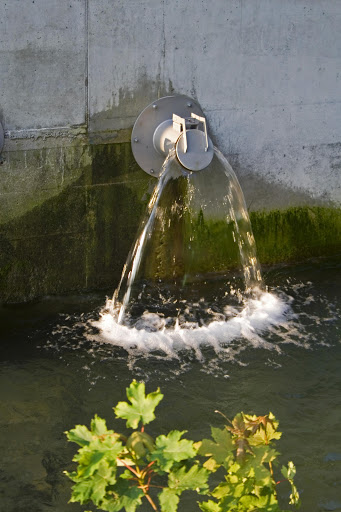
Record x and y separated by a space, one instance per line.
196 229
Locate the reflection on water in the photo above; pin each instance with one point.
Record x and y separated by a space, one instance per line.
279 351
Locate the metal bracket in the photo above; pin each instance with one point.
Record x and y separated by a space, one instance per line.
179 124
203 121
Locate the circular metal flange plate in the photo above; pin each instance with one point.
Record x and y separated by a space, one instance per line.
195 158
150 118
2 137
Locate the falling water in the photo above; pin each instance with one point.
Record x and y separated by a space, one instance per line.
196 228
132 265
244 236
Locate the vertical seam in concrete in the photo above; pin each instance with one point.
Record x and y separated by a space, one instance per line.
241 28
87 121
163 35
87 237
87 99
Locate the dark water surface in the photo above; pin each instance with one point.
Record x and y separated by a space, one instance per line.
52 376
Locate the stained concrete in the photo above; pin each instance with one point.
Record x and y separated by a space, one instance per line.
265 72
43 65
75 75
77 239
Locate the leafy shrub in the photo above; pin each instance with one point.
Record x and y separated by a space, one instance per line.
117 472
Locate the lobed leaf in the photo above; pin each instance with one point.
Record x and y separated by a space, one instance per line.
289 472
218 450
81 492
88 462
98 426
210 506
142 407
80 435
124 496
169 500
170 449
193 479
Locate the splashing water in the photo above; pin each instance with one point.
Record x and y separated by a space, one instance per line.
171 297
196 229
152 332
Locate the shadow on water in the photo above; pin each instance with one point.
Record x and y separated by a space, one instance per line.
57 370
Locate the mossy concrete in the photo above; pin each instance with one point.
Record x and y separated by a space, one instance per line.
77 239
296 234
78 235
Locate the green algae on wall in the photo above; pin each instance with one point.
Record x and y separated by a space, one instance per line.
296 234
78 237
29 177
207 245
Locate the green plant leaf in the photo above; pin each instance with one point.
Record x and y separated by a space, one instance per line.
141 443
170 449
108 442
223 489
265 503
266 431
218 450
98 426
98 487
80 435
90 489
88 462
142 407
209 506
107 471
195 479
169 500
124 496
81 492
289 472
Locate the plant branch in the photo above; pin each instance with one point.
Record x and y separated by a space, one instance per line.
151 501
223 415
128 467
271 469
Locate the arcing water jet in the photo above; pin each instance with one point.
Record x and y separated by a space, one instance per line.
196 225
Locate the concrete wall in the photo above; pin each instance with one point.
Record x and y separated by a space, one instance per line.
266 72
75 74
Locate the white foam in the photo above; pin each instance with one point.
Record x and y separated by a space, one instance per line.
256 317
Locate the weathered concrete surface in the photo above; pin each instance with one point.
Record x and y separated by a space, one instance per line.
74 76
266 72
43 48
77 239
30 176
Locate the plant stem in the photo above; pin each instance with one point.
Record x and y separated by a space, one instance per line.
271 469
151 501
223 415
128 467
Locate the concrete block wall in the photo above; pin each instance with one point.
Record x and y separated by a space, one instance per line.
75 74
